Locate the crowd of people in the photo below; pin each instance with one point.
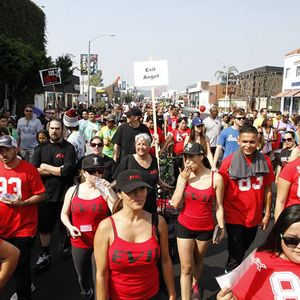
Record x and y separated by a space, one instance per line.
96 174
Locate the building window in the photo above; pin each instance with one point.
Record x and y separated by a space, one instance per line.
298 71
287 72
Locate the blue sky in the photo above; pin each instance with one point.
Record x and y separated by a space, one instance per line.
197 37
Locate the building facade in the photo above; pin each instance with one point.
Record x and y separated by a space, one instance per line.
290 94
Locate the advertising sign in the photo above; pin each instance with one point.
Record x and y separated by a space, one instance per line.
50 76
151 73
84 64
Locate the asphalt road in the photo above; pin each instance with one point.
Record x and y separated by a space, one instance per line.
60 282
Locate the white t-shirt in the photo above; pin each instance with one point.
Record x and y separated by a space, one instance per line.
77 140
27 130
213 129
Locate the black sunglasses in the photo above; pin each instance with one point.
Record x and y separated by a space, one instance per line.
27 110
291 242
96 144
93 171
287 140
240 118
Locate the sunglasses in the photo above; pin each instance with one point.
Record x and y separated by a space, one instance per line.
198 126
240 118
96 145
94 171
27 110
291 242
259 132
287 140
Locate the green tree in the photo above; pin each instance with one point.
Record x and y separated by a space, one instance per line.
19 69
96 80
22 50
65 63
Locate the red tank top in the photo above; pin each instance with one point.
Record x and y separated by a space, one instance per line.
86 216
197 211
132 268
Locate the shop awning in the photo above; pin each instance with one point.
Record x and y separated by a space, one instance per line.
297 95
283 93
292 93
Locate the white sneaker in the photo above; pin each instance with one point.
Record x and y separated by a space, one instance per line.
15 297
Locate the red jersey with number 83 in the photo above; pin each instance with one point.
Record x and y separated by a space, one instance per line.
244 198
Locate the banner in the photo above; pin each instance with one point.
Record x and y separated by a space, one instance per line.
84 64
50 76
151 73
94 64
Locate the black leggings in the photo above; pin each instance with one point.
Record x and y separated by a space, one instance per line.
85 267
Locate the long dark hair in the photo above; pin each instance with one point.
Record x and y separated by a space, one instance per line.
288 216
202 138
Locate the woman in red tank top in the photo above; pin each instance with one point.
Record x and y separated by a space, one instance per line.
197 191
127 248
85 205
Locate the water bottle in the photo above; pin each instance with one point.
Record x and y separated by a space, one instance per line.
101 187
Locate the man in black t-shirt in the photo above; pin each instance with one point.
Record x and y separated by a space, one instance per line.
55 161
123 139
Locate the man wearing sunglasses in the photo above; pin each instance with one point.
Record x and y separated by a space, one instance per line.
27 128
228 139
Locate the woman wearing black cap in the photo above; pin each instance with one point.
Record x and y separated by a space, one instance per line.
197 135
197 191
127 249
88 206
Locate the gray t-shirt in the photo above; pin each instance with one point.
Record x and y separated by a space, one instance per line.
27 130
213 129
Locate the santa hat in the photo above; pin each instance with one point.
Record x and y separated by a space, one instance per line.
71 118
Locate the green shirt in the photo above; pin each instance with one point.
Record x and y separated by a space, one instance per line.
107 133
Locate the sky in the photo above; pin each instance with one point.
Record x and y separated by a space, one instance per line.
196 37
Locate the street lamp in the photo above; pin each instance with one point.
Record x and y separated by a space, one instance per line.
89 61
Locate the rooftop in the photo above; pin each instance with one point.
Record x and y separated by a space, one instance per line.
297 51
267 69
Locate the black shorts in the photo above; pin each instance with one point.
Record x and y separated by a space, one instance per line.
48 215
185 233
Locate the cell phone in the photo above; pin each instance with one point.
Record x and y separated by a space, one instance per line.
217 233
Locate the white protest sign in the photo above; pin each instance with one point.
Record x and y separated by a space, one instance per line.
151 73
228 280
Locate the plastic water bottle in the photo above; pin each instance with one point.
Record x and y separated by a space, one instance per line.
101 187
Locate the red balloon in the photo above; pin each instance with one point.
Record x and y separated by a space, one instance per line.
202 108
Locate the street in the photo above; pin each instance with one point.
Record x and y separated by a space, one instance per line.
60 281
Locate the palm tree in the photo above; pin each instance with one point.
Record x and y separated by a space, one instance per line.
231 71
227 77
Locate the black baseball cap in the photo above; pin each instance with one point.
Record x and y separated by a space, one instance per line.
92 161
194 149
134 112
129 180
